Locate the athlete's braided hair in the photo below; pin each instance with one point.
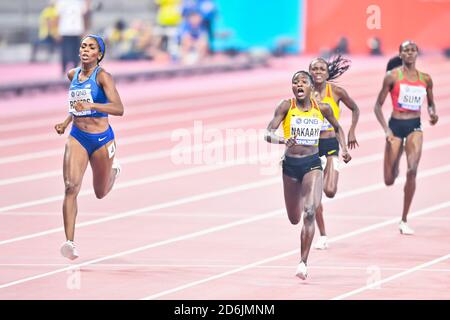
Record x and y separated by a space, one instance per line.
336 66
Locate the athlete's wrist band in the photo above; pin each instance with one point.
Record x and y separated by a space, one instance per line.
274 139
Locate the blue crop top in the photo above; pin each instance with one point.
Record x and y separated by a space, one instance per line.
86 91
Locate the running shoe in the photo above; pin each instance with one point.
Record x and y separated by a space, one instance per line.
301 271
321 243
68 250
405 229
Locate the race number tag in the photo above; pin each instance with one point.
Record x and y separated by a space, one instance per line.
82 95
111 150
411 97
307 130
326 125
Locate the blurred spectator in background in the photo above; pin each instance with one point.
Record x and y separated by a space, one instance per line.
71 26
90 9
208 11
193 39
134 43
283 46
374 46
116 33
341 47
48 31
447 52
115 37
168 19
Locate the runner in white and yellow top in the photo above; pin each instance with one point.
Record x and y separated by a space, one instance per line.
303 125
302 118
322 72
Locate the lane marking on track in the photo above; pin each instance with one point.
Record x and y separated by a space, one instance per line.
376 284
264 216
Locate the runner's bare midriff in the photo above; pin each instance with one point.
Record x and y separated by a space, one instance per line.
91 124
405 115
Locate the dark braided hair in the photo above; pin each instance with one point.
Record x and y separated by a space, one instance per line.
336 67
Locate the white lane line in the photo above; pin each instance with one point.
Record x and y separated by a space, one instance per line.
133 139
228 226
148 209
170 118
209 266
154 136
149 108
261 183
218 215
30 177
360 231
136 182
151 155
149 246
176 174
200 101
376 284
181 116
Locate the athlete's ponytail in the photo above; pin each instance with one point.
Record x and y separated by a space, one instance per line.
393 63
336 67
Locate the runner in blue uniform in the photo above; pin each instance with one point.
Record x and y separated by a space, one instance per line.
92 97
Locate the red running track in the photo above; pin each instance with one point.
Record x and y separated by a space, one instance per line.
213 227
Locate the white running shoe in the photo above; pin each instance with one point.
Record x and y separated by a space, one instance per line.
405 229
116 165
321 243
68 250
301 271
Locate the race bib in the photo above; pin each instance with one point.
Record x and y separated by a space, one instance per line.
326 125
82 95
307 130
411 97
112 150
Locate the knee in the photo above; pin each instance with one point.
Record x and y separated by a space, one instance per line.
389 181
294 221
330 192
71 188
411 172
100 194
294 217
309 215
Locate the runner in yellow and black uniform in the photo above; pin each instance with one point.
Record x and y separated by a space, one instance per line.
323 72
302 118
